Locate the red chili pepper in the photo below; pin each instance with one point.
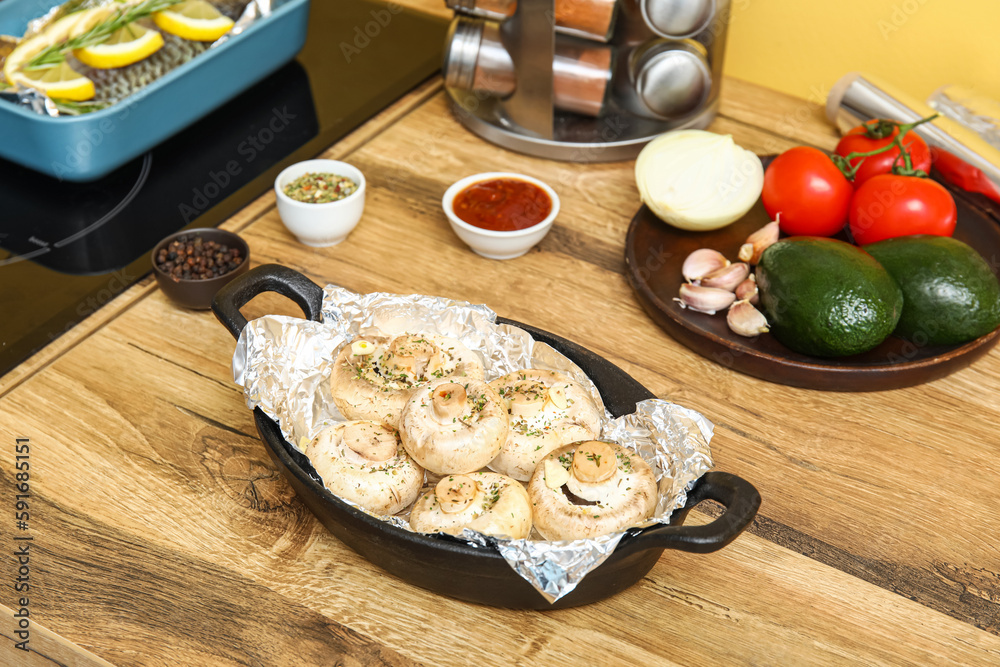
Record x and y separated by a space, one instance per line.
960 173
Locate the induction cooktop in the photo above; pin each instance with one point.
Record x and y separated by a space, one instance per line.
66 249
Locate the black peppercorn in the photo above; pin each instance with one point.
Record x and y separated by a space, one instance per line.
193 258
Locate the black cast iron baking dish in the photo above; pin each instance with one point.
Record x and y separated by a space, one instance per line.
452 567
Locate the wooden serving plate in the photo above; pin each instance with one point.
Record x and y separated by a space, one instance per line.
655 251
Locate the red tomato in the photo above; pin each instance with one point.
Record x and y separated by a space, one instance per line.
856 141
808 191
888 205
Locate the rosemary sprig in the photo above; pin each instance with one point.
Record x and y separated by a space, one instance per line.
55 54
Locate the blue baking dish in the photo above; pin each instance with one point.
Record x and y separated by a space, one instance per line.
87 147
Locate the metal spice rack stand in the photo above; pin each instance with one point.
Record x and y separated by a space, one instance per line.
526 120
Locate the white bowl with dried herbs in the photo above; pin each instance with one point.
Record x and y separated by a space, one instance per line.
320 201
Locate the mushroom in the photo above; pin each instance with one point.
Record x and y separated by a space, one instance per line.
373 376
547 410
483 501
362 461
451 426
591 488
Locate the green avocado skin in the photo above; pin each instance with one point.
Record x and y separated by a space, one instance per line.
827 298
950 295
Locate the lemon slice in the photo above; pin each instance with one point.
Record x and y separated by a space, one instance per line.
195 20
59 82
125 46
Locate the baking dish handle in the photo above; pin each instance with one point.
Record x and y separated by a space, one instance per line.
737 495
265 278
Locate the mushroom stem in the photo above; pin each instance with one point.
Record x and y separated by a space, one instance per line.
594 461
413 355
527 399
455 492
449 401
370 441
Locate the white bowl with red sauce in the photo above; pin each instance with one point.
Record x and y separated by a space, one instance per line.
500 215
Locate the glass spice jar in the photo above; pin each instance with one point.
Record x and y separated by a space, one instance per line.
477 60
589 19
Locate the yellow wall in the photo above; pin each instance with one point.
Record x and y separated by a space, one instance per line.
803 46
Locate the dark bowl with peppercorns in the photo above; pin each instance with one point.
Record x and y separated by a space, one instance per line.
193 264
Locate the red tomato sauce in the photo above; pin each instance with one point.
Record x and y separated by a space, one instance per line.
502 204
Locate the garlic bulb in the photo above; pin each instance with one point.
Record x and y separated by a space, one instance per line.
698 180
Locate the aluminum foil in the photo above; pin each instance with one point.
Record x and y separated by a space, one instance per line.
43 105
284 366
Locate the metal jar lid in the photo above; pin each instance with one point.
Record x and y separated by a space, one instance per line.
672 80
677 18
462 51
493 10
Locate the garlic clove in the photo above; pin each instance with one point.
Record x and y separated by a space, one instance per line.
707 300
747 290
594 461
555 474
746 320
727 278
454 493
702 262
758 242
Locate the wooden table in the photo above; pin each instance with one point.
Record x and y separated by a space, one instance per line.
164 535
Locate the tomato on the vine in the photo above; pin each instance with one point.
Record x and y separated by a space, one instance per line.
806 192
888 205
876 134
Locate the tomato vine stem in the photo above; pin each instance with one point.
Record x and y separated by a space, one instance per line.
881 129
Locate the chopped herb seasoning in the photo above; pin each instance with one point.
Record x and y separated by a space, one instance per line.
320 188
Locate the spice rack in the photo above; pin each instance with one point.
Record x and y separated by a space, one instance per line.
517 83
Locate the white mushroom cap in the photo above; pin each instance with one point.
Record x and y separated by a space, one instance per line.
547 410
373 376
364 462
484 501
587 489
454 425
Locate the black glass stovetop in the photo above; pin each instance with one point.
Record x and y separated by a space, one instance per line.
66 249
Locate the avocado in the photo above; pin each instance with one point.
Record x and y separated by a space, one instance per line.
827 298
950 295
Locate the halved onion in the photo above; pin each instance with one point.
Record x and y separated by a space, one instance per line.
698 180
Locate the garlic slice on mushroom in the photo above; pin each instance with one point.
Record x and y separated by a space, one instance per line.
537 423
454 428
361 348
608 489
372 378
555 474
483 501
364 462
